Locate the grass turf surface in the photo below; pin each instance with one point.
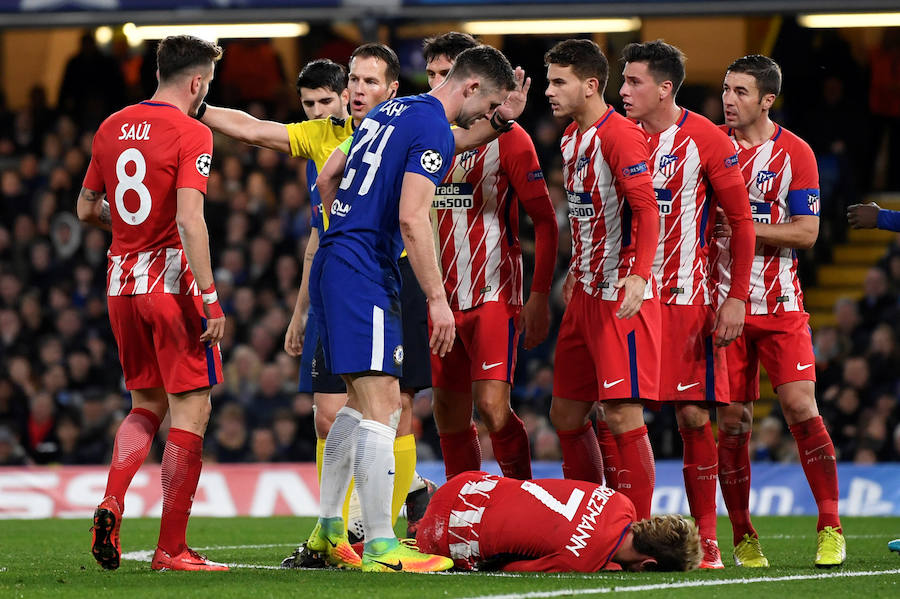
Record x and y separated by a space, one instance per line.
51 558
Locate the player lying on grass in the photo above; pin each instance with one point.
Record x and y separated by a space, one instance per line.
486 522
382 205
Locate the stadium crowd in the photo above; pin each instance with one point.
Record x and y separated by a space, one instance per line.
61 392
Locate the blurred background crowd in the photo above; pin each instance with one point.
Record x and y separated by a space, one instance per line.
61 394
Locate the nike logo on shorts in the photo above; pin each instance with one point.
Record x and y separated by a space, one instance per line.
395 567
607 384
803 366
686 387
486 366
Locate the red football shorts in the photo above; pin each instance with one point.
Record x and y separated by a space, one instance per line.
159 342
484 349
600 356
782 342
693 368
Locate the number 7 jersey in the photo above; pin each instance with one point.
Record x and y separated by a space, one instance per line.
141 156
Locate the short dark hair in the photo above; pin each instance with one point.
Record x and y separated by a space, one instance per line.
178 53
449 44
487 63
584 56
762 68
323 72
383 53
664 61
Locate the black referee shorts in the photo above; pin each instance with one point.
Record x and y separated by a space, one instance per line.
416 353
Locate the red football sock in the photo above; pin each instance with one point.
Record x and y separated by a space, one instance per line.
462 451
133 441
181 465
817 457
581 454
610 452
734 480
511 449
637 472
700 466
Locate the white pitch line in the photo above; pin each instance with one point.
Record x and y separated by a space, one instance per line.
682 585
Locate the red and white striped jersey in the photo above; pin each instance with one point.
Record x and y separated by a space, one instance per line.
609 190
782 181
690 159
478 221
141 156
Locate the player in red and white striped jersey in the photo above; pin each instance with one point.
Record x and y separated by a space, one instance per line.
780 174
609 335
477 222
694 170
152 160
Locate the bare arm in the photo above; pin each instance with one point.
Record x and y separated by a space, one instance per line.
330 178
93 208
800 233
195 240
482 132
293 339
246 128
415 228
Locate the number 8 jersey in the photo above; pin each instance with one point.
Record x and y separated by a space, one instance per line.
141 155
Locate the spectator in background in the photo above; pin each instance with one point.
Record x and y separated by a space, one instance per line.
262 446
11 452
92 85
883 358
878 303
884 105
768 443
229 443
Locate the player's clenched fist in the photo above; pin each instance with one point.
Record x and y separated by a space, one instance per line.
443 327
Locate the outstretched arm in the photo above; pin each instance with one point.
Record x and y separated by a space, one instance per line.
244 127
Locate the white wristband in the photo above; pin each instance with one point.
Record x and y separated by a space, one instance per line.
210 298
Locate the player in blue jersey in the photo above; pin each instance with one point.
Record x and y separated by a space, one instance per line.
400 151
873 216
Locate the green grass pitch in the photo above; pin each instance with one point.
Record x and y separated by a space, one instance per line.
51 558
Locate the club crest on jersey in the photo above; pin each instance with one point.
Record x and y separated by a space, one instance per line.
581 167
812 200
398 355
667 164
431 161
204 161
467 159
765 181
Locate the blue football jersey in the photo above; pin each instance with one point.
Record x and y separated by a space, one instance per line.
402 135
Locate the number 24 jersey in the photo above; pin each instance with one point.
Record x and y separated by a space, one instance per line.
141 155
